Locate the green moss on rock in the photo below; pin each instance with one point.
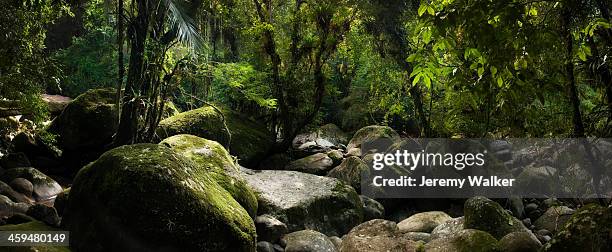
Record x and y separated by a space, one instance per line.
250 141
218 163
487 215
467 240
589 229
371 133
89 121
148 197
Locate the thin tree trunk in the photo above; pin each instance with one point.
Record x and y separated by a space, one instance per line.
121 69
569 72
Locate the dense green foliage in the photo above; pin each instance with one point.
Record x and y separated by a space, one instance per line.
433 68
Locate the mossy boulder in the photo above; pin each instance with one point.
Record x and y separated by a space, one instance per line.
250 140
306 201
589 229
44 188
32 226
467 240
487 215
218 163
350 171
373 133
148 197
308 241
554 218
89 121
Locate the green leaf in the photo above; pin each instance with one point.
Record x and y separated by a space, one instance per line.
500 81
582 55
493 70
422 9
416 79
427 36
412 57
431 11
480 71
427 81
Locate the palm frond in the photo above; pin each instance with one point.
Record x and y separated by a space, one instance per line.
182 20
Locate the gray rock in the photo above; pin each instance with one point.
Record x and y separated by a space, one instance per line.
269 228
23 186
350 171
376 236
45 214
448 228
519 242
372 133
356 152
517 207
487 215
417 236
464 240
9 208
336 155
326 136
317 164
423 222
15 196
306 201
264 246
554 218
308 241
372 209
44 188
336 241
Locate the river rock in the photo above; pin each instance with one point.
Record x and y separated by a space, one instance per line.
269 228
322 139
589 228
372 209
45 189
215 160
376 236
554 218
350 171
519 242
148 197
372 133
423 222
448 228
308 241
88 122
9 208
306 201
15 196
317 164
45 214
466 240
250 140
487 215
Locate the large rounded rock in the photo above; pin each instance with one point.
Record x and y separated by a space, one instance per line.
317 164
269 228
519 242
306 201
589 229
376 236
89 121
219 165
467 240
308 241
44 188
554 218
372 133
350 171
423 222
448 228
250 141
147 197
9 208
487 215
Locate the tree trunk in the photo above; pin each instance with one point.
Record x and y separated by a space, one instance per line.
569 72
121 69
